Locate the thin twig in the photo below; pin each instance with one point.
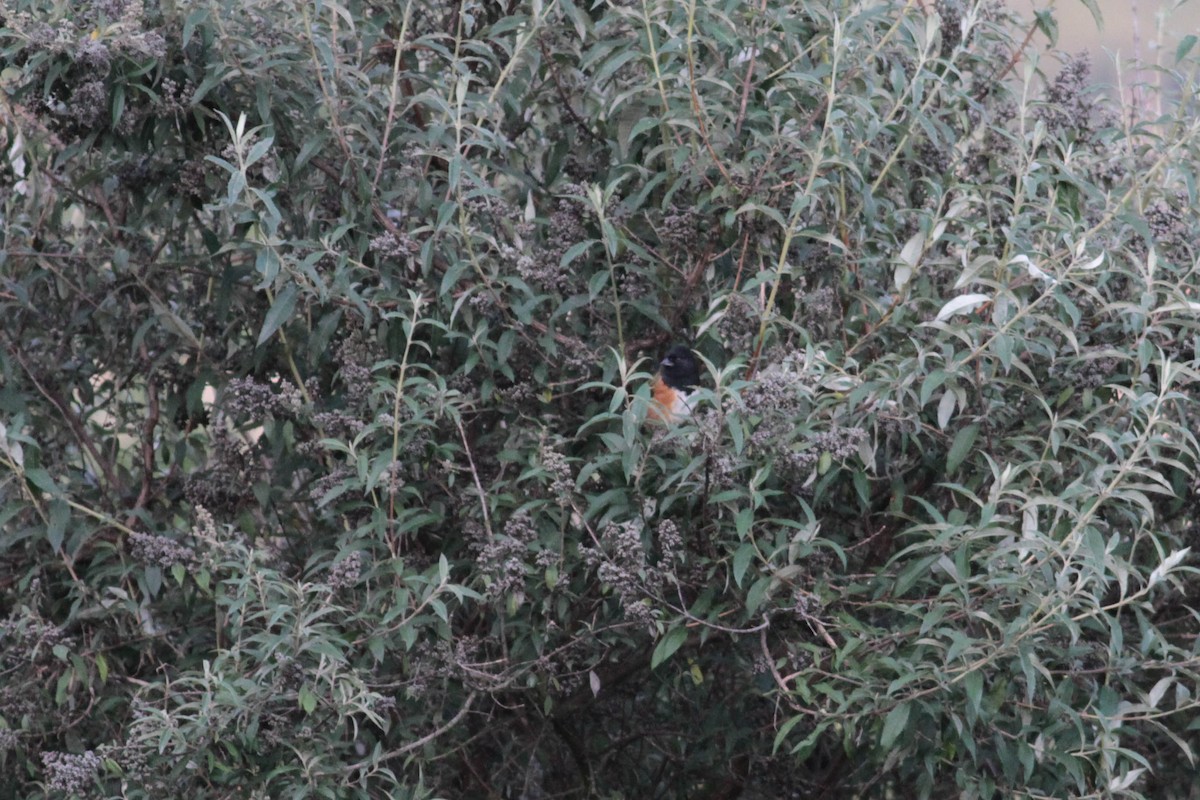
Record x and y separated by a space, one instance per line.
391 115
75 424
424 740
487 520
741 117
147 441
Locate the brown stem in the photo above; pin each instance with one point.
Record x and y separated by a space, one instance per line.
148 428
76 426
741 117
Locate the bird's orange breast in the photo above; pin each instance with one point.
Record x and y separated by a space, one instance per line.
669 404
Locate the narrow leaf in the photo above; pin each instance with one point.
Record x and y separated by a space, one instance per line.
281 310
668 645
946 408
973 683
308 700
961 304
911 252
56 528
894 725
1185 46
741 560
1169 563
961 446
1160 689
174 323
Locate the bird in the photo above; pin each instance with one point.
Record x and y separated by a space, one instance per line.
678 375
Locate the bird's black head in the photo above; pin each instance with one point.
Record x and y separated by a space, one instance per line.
680 369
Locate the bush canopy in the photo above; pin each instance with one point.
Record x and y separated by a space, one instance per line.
328 331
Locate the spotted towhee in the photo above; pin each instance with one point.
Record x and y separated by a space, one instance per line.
678 375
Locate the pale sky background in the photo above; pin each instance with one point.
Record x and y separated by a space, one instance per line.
1131 27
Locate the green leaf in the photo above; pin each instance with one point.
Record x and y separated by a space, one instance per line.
56 526
1048 25
259 150
174 323
281 310
963 441
757 593
574 252
1185 46
805 746
1094 7
743 521
973 685
194 18
734 424
765 210
454 273
741 560
216 76
42 480
266 261
308 700
667 646
154 579
118 104
598 283
894 725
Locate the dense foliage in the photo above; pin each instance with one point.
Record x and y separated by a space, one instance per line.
327 331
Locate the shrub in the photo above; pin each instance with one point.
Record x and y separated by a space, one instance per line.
325 357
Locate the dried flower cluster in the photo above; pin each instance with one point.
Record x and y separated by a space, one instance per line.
29 638
566 228
228 480
398 246
250 399
71 772
345 573
502 562
562 481
159 551
1070 109
622 563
